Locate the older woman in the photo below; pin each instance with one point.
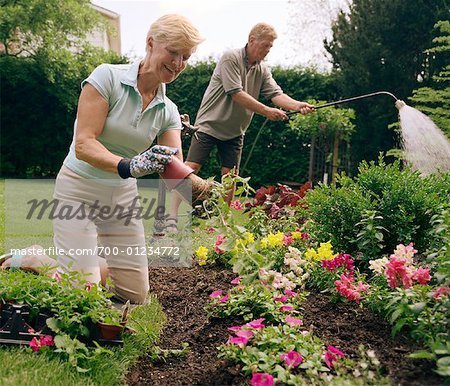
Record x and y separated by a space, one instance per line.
121 110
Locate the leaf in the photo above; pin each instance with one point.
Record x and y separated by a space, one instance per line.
443 362
417 307
395 315
422 355
445 372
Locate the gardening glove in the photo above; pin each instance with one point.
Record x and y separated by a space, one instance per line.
150 161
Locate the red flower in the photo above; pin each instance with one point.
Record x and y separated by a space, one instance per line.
220 239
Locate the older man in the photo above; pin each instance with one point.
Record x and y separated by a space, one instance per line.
231 99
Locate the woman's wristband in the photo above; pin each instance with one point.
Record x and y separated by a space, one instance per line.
123 168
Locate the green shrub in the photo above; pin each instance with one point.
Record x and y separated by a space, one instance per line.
384 205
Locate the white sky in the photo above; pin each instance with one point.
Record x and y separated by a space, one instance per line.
224 24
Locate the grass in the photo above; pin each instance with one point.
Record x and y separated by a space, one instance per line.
21 366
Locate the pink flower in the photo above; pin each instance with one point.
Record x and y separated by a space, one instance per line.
236 280
88 285
288 240
421 275
286 308
35 344
234 328
331 356
210 230
335 351
396 270
224 299
245 333
241 341
292 358
57 276
282 299
341 260
256 324
294 321
440 292
289 293
220 239
346 287
262 379
305 236
216 294
47 340
236 204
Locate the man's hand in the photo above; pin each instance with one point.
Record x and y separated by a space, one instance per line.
304 108
274 114
150 161
188 129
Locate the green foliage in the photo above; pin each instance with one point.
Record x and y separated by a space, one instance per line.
252 302
333 212
388 205
326 122
379 45
263 354
34 142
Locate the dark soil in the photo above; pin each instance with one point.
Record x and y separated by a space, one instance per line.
183 293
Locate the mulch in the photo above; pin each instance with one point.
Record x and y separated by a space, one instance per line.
184 292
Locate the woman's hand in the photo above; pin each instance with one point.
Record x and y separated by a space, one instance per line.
152 160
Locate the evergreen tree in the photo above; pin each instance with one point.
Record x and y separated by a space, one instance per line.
434 100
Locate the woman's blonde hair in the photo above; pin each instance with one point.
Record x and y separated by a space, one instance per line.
263 30
176 30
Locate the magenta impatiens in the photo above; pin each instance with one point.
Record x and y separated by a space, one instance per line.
331 356
262 379
292 358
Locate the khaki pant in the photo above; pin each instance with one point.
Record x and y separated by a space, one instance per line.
93 219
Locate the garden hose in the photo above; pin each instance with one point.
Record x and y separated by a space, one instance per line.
398 103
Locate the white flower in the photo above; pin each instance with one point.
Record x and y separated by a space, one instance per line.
378 265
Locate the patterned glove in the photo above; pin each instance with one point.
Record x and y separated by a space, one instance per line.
150 161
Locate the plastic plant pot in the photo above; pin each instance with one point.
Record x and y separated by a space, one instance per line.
110 331
175 172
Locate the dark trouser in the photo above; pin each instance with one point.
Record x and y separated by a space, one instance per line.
229 151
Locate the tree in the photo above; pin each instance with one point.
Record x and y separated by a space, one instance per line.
28 25
45 58
379 45
434 100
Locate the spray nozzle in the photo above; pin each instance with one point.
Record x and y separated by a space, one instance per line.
399 104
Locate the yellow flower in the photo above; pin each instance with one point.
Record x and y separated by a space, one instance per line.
297 235
202 253
248 238
324 252
311 254
264 242
272 240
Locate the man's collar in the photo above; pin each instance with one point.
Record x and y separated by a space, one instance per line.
246 62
